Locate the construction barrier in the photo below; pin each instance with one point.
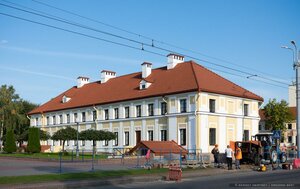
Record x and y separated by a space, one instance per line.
296 163
175 173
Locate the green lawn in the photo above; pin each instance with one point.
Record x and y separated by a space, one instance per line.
53 155
76 176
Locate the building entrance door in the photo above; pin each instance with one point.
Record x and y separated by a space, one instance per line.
138 136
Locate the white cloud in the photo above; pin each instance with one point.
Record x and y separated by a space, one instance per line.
36 73
67 54
3 41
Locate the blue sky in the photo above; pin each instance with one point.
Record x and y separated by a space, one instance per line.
42 62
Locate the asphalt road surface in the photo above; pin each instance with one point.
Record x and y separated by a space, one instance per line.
271 179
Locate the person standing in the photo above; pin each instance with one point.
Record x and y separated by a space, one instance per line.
229 154
215 152
238 157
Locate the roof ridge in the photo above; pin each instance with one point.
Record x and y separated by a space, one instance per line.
192 65
226 79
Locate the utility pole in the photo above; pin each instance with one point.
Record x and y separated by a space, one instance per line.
297 67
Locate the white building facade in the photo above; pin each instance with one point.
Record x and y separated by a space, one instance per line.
195 117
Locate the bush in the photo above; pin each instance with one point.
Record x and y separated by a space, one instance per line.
34 145
10 142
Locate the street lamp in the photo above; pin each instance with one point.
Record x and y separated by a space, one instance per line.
296 65
77 146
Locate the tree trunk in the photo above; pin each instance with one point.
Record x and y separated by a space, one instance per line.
63 147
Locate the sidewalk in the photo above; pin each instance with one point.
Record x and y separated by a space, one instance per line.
187 174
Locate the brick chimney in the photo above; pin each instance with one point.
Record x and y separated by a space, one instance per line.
173 60
106 75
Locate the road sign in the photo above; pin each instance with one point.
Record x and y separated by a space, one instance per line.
276 134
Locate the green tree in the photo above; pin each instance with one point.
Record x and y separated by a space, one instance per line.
277 114
96 135
34 145
67 133
24 136
10 142
13 112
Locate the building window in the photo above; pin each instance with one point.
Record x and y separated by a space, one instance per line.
60 119
212 105
290 139
138 111
106 143
182 137
126 112
75 117
150 135
246 135
68 118
259 127
143 86
163 109
54 120
68 143
289 126
53 142
116 141
106 114
163 135
94 115
83 117
246 109
126 138
47 120
150 110
212 136
116 113
83 143
36 121
182 105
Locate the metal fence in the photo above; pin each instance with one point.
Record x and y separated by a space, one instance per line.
123 158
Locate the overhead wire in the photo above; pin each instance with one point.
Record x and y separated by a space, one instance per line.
147 37
117 43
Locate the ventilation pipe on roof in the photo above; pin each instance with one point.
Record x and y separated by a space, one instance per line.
106 75
146 69
82 81
173 60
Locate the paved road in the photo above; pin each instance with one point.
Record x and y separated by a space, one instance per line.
22 166
272 179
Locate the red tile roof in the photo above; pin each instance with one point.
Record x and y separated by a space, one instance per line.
185 77
160 147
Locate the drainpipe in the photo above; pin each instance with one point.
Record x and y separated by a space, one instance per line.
97 116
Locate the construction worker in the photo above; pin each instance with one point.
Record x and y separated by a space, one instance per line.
238 157
215 152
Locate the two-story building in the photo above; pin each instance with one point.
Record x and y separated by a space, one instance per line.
182 101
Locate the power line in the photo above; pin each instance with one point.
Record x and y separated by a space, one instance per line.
79 33
113 42
148 38
132 40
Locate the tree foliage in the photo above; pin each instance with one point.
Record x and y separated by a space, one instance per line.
96 135
67 133
10 142
44 135
34 145
13 112
277 114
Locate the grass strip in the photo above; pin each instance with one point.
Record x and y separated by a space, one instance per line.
76 176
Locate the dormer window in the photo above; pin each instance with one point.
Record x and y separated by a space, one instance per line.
144 84
65 99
